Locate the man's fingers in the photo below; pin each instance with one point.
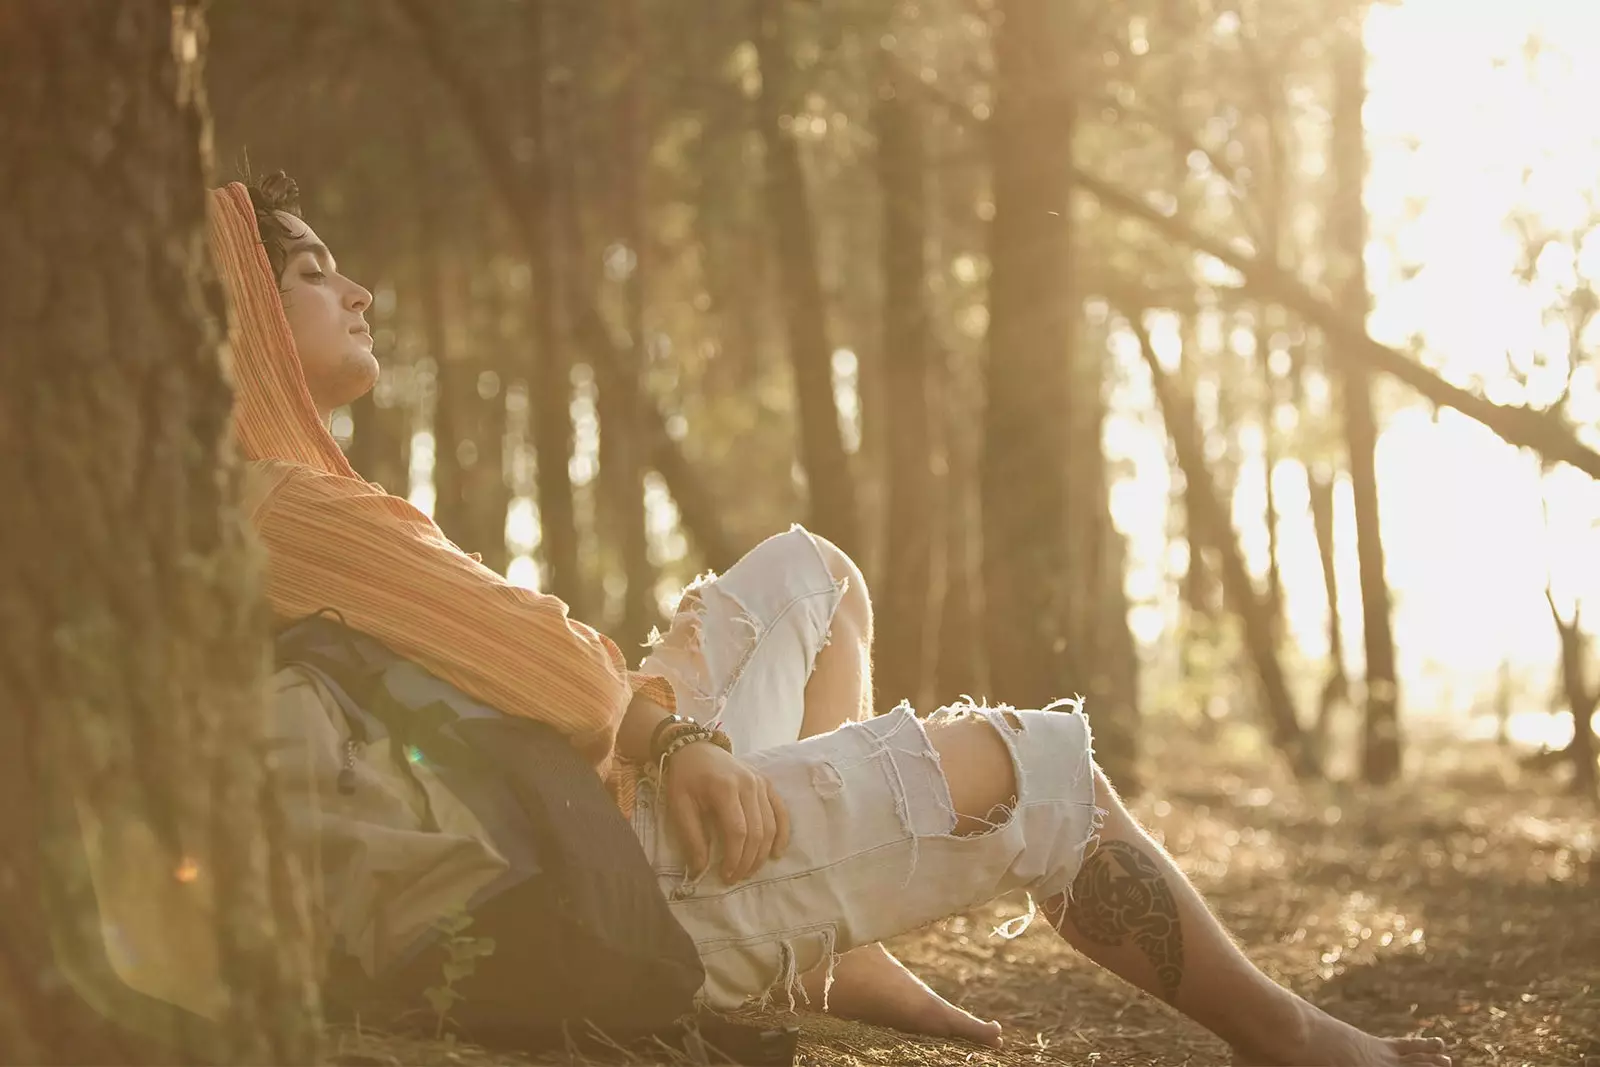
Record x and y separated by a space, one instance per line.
780 819
735 828
686 815
769 825
757 838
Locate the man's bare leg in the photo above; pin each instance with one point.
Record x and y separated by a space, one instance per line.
869 984
1134 913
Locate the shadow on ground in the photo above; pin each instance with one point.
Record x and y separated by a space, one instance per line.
1463 904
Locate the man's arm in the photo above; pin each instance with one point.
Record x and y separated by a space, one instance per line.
638 723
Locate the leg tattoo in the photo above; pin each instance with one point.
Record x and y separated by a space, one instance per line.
1120 892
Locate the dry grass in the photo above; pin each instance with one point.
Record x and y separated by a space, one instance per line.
1464 903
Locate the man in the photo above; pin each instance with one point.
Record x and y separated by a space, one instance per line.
825 830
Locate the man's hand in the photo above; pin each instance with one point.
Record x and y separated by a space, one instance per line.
709 789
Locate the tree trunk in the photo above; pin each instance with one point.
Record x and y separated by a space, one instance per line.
1240 592
478 111
1336 689
1380 743
830 485
1581 698
550 405
451 375
1100 643
380 449
134 662
903 613
621 458
1027 381
958 665
1269 463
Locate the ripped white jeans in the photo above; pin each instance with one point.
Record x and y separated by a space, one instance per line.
872 851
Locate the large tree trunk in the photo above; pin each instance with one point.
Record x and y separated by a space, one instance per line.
1215 526
830 485
903 614
1027 380
134 661
1380 748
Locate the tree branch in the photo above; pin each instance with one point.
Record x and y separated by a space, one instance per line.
1541 431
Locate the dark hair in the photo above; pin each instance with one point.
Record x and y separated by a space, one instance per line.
274 193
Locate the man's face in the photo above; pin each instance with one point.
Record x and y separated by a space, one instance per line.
327 314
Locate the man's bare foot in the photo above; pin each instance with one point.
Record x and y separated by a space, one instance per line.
1323 1041
872 986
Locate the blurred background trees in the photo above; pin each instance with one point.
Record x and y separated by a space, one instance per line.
1063 318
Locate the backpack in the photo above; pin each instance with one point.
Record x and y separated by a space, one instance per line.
467 864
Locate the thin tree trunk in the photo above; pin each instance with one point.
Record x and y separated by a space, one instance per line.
1027 383
550 405
380 449
903 615
829 483
1102 653
696 502
621 463
1335 689
134 664
958 666
451 375
1380 748
1240 592
1269 462
1581 698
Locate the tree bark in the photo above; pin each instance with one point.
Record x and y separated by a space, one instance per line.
1027 380
1239 591
830 485
134 662
621 459
1380 737
550 405
380 449
1336 688
903 615
1582 699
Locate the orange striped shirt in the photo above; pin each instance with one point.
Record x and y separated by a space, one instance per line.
336 541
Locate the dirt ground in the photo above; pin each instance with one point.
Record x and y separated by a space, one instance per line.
1463 903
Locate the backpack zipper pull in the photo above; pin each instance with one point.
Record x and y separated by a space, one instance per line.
347 773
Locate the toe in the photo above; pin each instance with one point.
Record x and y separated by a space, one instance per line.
1419 1044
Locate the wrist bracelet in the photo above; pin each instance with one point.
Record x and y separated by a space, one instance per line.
654 747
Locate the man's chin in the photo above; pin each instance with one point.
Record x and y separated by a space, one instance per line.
358 373
364 371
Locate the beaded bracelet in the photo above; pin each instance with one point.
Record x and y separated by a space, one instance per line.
686 734
662 727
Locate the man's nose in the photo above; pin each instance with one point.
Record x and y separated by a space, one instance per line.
358 298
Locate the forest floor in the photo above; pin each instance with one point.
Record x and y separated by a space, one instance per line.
1463 903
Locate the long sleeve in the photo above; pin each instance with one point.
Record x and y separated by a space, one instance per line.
336 542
